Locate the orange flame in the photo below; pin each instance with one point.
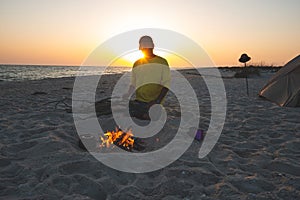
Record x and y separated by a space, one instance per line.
118 137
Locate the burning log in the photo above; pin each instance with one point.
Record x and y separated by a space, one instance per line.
119 138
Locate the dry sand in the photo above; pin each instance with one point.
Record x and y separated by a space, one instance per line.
256 157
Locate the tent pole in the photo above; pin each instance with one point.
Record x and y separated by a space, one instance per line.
247 80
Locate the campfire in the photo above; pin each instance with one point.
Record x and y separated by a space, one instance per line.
119 138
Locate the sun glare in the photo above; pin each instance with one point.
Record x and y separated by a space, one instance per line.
174 60
133 56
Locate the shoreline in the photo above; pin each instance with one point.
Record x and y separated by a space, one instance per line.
233 70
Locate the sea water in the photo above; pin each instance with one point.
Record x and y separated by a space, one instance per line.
36 72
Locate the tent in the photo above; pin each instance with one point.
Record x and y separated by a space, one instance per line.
284 87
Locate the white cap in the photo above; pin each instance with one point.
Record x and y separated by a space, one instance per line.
146 42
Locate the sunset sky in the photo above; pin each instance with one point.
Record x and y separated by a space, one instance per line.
64 32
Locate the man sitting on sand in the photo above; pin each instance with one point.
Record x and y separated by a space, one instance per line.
150 80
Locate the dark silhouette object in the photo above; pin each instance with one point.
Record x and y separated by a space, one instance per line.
244 59
150 80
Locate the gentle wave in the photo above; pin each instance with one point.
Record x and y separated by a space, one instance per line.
36 72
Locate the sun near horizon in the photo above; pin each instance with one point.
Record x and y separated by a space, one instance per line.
174 61
133 56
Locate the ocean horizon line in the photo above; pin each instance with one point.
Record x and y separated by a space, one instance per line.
124 66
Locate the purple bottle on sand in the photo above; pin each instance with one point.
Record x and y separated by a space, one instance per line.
199 135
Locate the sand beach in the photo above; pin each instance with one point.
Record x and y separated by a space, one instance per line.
256 157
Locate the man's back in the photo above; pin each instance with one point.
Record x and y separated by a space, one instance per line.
149 76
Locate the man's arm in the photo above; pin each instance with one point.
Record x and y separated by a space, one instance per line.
162 94
160 97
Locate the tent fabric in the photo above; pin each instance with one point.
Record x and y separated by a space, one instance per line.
284 87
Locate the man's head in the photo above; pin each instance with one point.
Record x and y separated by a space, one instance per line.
146 45
146 42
